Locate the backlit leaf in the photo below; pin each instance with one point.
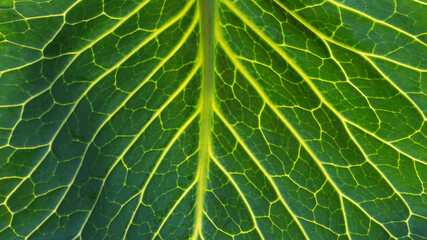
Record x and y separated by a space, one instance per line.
213 119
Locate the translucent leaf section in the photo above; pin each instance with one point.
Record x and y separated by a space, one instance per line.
213 119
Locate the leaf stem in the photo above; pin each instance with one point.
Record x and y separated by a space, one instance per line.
207 42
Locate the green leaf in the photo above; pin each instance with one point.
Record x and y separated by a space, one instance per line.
205 119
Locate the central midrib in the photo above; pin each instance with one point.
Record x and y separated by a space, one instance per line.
207 42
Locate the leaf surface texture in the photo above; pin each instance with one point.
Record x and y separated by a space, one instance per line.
204 119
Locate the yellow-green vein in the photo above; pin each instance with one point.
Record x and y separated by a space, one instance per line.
207 43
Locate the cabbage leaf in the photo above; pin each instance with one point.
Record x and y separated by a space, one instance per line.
213 119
